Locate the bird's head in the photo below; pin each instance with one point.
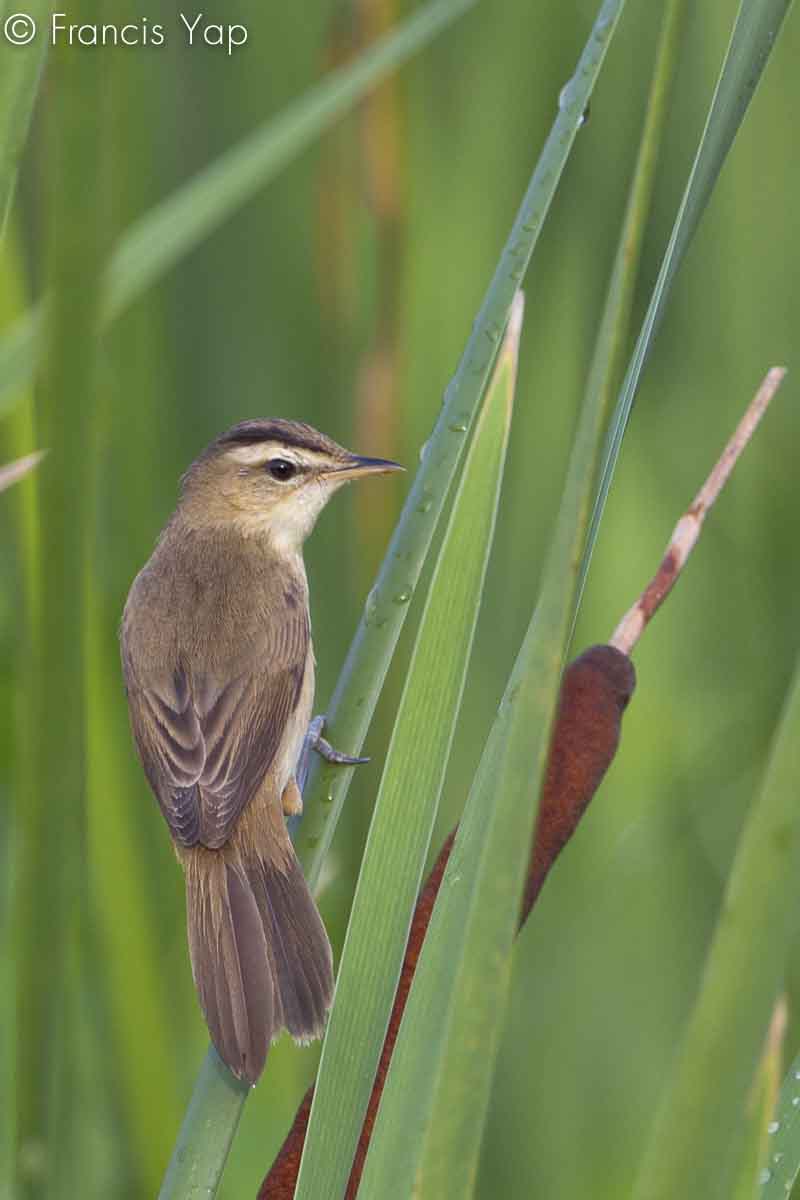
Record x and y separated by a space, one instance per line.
271 477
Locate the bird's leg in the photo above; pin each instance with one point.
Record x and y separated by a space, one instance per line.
315 741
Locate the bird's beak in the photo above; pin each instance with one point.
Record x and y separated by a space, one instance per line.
357 465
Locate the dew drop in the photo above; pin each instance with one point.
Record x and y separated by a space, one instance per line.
764 1176
795 1101
776 1158
403 597
773 1127
565 95
425 506
457 427
371 607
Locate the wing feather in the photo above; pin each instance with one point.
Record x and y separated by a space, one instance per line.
206 741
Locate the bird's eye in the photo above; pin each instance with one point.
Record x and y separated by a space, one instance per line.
281 469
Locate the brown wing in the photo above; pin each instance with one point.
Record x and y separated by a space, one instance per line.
207 742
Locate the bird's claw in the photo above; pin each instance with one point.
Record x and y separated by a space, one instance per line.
315 741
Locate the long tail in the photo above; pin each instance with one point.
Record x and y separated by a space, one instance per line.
261 958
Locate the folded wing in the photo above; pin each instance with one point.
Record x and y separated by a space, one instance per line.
207 739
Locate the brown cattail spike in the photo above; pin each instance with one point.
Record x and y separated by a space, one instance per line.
595 691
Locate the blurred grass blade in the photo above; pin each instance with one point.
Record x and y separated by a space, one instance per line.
60 1096
182 221
20 71
699 1118
782 1162
405 810
18 469
756 1144
754 35
178 224
136 1004
370 654
427 1135
19 353
23 503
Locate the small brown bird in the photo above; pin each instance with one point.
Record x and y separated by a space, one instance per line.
219 672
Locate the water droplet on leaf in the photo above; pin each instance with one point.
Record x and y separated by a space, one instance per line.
371 607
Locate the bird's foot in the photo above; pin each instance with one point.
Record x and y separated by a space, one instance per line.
315 741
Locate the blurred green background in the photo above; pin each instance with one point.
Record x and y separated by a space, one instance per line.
343 295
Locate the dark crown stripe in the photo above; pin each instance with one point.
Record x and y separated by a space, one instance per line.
289 433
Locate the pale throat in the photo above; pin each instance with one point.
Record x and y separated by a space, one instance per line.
287 524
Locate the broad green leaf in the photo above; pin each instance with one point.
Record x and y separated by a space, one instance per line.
689 1150
457 1002
754 35
208 1130
181 222
405 809
782 1160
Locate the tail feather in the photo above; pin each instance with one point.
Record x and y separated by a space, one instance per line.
303 966
251 991
260 955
